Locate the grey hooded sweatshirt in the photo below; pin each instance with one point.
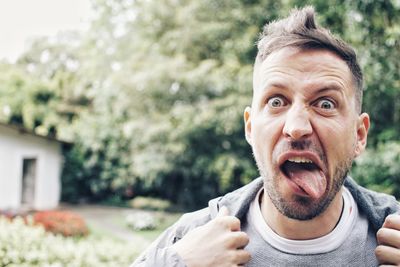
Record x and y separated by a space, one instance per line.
375 206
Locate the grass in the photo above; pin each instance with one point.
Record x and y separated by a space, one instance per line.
165 220
101 226
100 232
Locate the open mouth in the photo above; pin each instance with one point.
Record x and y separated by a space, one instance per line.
306 174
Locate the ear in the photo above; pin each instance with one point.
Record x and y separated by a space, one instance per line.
362 133
247 124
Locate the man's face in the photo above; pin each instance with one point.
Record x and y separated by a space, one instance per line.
304 129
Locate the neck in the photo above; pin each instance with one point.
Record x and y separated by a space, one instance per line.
302 230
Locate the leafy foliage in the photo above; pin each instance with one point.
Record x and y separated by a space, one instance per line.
379 169
29 245
153 94
150 203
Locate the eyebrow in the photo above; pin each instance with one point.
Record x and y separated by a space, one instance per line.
273 85
276 84
328 87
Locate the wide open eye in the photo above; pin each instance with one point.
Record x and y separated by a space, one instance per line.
326 104
276 102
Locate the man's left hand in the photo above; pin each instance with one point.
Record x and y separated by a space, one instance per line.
388 250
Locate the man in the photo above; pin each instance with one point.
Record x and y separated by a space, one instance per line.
305 127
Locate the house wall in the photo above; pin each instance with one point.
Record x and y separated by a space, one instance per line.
14 147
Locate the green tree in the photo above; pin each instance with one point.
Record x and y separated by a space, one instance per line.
153 94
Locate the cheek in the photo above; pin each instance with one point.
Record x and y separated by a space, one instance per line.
338 139
265 135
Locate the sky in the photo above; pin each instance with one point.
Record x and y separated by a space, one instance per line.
23 20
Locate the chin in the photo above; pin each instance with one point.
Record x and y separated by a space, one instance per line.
303 208
299 207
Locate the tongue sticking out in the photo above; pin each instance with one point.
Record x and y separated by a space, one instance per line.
311 179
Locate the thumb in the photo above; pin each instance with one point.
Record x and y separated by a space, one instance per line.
223 211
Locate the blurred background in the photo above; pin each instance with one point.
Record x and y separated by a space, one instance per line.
146 97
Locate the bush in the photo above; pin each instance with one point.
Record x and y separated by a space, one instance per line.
141 221
379 169
30 245
150 203
65 223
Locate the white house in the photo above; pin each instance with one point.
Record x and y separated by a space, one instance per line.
30 169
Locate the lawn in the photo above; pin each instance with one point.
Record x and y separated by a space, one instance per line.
106 222
165 220
110 222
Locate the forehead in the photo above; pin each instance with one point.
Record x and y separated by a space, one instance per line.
316 65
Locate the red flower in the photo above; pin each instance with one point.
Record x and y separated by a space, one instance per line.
65 223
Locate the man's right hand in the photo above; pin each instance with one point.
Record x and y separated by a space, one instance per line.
217 243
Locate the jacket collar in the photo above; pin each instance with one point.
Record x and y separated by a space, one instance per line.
376 206
238 201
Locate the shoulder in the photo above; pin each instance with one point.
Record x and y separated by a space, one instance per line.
159 253
376 206
191 220
237 202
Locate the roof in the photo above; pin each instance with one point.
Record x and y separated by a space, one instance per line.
23 130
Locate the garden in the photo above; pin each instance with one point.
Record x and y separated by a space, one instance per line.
151 99
64 238
24 244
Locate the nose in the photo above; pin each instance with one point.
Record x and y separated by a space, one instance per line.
297 124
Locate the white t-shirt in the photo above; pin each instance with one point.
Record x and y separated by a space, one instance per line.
323 244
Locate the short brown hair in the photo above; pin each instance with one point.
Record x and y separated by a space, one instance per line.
300 30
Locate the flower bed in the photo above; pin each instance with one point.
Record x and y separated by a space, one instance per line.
65 223
30 245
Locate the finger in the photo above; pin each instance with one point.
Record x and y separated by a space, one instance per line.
237 240
387 255
241 257
223 211
229 222
388 237
392 221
